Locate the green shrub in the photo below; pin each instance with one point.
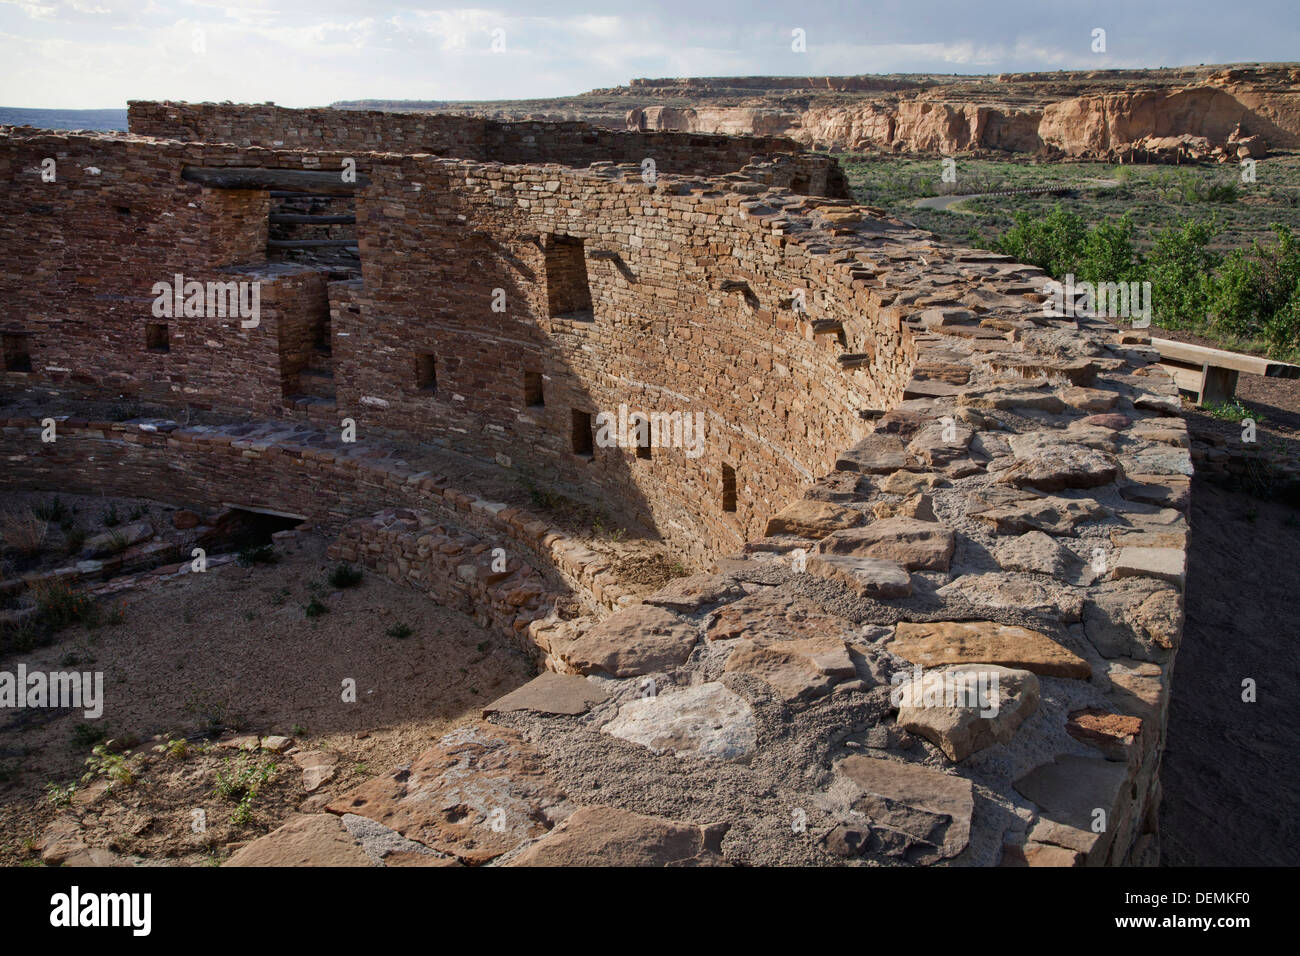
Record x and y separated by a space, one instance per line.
1180 269
1053 243
315 608
1107 254
399 632
53 510
59 606
345 576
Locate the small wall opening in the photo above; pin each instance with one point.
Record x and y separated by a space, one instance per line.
426 372
534 397
568 293
156 338
728 488
639 429
581 438
16 356
237 528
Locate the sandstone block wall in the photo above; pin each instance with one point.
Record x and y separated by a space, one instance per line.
569 144
926 470
667 334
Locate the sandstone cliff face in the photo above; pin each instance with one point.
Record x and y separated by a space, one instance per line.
1097 125
1205 119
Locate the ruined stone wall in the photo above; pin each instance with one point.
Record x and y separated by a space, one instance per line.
82 253
667 334
334 485
1023 507
569 144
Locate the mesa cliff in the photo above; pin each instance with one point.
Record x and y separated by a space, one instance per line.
1209 112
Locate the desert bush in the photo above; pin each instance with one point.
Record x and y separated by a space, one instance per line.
22 532
345 576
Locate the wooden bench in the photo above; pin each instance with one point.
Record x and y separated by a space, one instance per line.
1209 374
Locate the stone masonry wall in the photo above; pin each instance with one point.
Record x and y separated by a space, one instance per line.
81 256
668 334
569 144
1008 495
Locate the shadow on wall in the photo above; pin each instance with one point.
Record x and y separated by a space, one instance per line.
542 332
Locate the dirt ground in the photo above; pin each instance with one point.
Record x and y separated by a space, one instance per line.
234 650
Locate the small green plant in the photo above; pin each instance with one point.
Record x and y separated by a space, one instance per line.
60 796
123 411
345 576
298 730
110 517
22 532
117 543
58 606
399 632
1232 411
315 608
114 768
177 748
53 510
239 782
265 554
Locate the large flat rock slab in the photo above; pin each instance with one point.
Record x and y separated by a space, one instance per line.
875 455
707 721
604 836
916 813
1017 513
696 591
936 643
873 578
639 640
812 519
771 615
916 545
550 693
316 839
479 792
797 670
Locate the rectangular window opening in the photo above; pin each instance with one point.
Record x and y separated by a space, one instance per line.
568 292
728 488
426 372
156 338
16 356
581 436
534 397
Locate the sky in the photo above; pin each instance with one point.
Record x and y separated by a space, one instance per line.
97 54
